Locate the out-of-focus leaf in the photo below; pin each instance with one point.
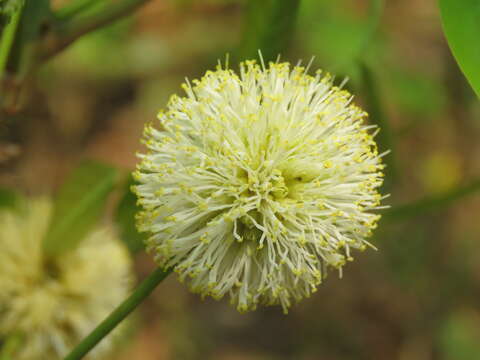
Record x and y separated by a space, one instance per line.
339 31
461 24
416 92
8 198
78 205
97 54
460 336
125 217
269 27
10 344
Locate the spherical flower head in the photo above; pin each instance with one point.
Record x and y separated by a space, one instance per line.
254 184
52 306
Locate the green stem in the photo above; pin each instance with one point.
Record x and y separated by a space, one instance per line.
269 26
7 38
431 202
119 314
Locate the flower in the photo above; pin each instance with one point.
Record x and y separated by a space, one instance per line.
52 305
257 183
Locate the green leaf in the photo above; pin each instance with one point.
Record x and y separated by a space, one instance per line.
125 217
461 24
78 206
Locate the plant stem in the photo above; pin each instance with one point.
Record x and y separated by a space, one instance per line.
7 38
269 26
119 314
431 202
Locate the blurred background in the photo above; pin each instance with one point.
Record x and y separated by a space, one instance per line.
415 298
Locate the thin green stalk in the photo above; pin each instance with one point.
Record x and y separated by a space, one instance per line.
119 314
7 38
269 26
431 202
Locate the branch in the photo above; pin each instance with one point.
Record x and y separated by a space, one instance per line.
431 202
66 32
75 7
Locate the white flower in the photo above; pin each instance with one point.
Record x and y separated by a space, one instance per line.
255 184
52 306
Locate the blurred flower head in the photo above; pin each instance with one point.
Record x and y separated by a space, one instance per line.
52 305
254 184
